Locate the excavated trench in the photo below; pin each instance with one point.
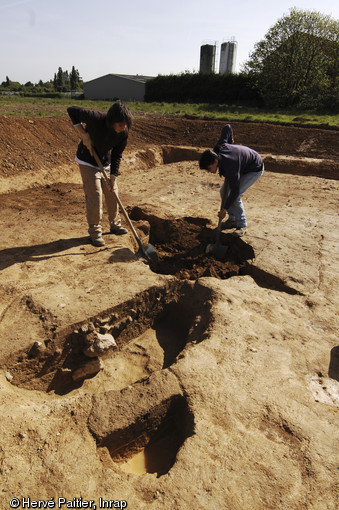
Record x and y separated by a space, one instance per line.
150 441
148 415
135 339
181 247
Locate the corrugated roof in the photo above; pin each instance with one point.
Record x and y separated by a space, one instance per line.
133 77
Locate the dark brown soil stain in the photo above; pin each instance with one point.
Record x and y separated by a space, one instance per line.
181 246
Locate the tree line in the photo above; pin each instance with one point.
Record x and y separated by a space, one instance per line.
63 82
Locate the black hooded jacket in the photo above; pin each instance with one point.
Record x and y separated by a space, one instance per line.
108 144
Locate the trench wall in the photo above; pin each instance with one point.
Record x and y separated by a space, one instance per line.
165 154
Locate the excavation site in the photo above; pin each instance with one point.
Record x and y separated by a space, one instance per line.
195 378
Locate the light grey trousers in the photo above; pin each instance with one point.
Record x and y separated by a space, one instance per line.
236 211
95 187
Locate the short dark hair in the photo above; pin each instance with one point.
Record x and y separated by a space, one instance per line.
206 159
119 112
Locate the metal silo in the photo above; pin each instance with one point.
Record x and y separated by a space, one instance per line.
228 53
207 57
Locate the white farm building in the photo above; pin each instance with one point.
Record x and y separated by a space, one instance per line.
112 86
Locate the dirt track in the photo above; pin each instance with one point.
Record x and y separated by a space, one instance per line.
223 388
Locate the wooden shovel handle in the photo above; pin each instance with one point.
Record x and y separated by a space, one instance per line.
109 184
224 191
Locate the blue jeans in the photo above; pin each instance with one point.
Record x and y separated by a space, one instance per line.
236 212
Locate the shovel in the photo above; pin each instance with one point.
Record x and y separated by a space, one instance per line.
218 249
147 251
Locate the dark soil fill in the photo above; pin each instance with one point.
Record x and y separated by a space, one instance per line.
181 246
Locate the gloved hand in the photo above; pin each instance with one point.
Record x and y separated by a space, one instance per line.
87 141
222 213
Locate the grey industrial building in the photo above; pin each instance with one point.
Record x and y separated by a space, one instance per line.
111 86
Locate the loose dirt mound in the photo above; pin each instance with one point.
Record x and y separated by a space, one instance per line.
181 246
34 144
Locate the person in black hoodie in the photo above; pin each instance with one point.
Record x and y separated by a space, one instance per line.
107 133
241 167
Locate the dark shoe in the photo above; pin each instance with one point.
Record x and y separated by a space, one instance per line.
118 231
97 241
239 232
228 224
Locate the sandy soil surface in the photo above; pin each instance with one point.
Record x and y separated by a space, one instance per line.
222 386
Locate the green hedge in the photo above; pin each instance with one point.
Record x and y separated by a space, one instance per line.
202 88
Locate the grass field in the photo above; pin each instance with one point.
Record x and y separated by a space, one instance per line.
38 107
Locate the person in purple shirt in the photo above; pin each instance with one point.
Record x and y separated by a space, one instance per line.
241 167
107 133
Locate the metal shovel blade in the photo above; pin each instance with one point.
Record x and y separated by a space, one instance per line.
150 253
218 249
147 251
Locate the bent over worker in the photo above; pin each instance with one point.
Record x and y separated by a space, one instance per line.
241 167
107 133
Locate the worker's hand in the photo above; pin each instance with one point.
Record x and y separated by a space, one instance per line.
222 213
87 141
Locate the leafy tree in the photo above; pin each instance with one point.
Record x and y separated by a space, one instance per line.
59 80
74 79
6 83
63 81
297 62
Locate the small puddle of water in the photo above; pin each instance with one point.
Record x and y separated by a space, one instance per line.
157 456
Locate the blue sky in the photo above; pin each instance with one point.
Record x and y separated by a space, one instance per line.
147 37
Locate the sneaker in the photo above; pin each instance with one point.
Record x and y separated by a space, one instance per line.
97 241
228 224
239 231
118 231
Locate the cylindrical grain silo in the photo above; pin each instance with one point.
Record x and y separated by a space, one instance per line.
228 53
207 57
